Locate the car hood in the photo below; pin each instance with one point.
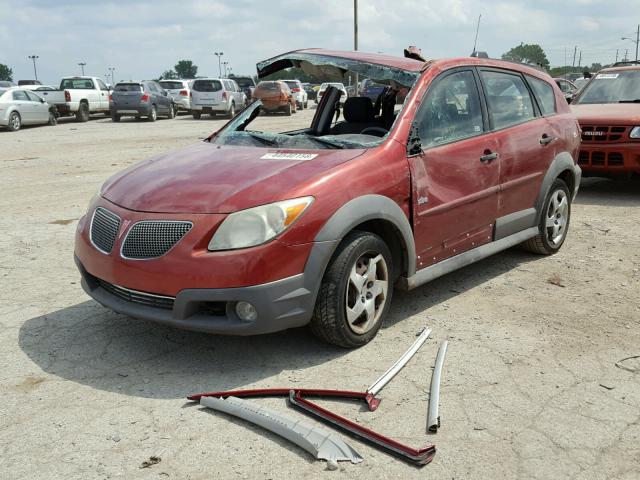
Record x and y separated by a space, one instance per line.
209 178
622 114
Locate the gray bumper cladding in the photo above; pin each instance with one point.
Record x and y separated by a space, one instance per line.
320 443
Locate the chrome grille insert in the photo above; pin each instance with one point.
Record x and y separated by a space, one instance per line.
104 229
142 298
153 238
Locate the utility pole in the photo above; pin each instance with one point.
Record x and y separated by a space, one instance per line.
636 41
112 70
580 59
82 64
34 58
355 38
219 55
616 55
626 55
575 50
224 64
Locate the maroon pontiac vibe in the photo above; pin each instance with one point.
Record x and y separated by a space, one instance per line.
253 231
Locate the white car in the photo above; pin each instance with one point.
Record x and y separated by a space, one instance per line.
179 91
216 95
299 93
339 86
21 107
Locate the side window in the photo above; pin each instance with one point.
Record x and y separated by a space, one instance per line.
101 85
508 98
32 97
20 95
544 94
450 111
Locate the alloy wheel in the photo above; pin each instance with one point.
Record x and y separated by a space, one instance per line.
366 293
557 217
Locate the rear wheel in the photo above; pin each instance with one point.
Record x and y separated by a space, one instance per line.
196 115
232 110
306 104
287 110
172 112
153 114
15 122
554 221
115 118
82 115
355 293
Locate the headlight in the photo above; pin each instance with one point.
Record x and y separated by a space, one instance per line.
257 225
635 132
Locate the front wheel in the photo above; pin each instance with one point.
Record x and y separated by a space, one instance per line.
554 221
355 293
53 121
115 117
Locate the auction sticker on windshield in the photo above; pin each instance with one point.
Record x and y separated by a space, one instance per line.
607 76
289 156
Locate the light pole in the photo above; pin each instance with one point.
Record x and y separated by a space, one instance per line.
219 54
34 57
224 64
636 41
355 38
112 70
82 64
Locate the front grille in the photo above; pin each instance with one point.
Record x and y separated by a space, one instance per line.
600 159
600 134
153 238
104 229
134 296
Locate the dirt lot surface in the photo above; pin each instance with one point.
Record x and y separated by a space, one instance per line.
530 386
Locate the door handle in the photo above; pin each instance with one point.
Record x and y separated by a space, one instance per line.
546 139
489 156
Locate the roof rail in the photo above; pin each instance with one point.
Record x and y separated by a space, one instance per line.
626 63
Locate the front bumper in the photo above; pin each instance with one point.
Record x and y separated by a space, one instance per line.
609 159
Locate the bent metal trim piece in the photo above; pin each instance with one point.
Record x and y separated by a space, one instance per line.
433 419
320 443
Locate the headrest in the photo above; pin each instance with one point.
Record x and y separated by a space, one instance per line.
358 110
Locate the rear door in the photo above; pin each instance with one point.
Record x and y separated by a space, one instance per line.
520 132
455 177
207 92
24 106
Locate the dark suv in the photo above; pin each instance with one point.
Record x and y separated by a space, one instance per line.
254 231
140 99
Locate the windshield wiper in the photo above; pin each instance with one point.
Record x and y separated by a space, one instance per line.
325 141
262 138
637 100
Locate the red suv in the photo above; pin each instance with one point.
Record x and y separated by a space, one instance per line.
253 231
608 109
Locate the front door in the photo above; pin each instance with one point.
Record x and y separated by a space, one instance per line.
456 175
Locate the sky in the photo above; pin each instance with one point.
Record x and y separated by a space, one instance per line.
142 39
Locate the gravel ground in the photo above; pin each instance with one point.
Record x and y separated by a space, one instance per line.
530 386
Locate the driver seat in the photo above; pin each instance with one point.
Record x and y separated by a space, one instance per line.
358 114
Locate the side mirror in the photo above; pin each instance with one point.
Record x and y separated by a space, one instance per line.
414 146
42 100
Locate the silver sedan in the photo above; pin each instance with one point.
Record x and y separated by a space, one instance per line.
21 107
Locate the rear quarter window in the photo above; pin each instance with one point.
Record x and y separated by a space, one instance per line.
544 94
207 86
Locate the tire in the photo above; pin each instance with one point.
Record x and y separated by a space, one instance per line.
172 112
306 104
287 110
53 121
115 118
554 221
232 110
351 306
153 114
196 115
15 122
82 115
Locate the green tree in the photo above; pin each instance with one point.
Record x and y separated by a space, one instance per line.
528 53
6 73
168 74
186 69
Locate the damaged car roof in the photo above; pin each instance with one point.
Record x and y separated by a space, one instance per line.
334 64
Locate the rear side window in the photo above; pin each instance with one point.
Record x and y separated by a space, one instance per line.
544 94
207 86
508 98
128 87
451 110
20 95
76 83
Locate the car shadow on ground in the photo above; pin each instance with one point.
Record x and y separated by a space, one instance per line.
90 345
611 193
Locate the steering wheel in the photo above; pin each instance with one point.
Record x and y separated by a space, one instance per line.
375 131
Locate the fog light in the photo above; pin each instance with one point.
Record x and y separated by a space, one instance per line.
246 311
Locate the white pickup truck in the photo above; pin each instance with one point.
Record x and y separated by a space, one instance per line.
79 96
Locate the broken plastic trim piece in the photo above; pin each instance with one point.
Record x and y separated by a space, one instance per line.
320 443
379 384
433 419
420 456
